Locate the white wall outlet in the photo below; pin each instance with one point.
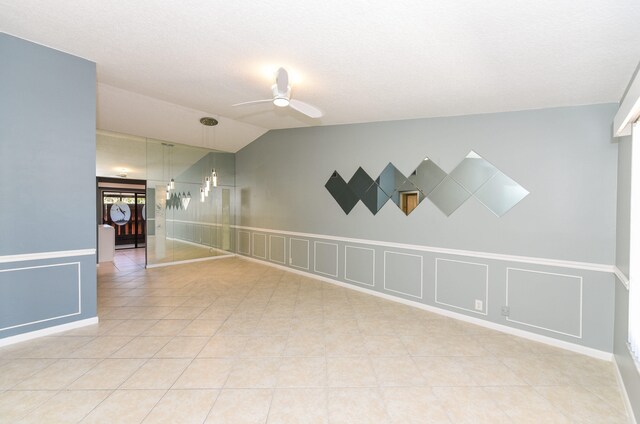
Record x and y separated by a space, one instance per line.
478 305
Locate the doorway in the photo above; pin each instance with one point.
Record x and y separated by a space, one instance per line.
409 201
121 204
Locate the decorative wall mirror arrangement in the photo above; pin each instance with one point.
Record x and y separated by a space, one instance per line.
473 177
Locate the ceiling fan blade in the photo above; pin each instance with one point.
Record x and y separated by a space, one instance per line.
253 102
306 108
282 80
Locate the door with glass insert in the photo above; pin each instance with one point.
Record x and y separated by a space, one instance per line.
126 213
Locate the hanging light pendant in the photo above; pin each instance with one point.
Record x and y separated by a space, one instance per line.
201 195
207 182
214 177
172 184
168 191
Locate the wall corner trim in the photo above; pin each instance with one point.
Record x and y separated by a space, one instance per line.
584 350
621 276
47 331
46 255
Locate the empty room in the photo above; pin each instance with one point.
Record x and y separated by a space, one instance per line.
319 212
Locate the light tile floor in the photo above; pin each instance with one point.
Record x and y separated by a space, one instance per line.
231 341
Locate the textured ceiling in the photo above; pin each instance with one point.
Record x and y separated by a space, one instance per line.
359 61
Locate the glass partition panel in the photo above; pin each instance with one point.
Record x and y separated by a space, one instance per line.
193 192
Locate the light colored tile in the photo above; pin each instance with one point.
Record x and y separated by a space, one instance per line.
443 371
356 406
157 374
348 344
538 370
183 407
58 375
489 371
414 405
182 347
205 373
201 327
385 345
108 374
224 346
301 344
142 347
470 405
16 404
302 372
397 371
14 371
101 347
238 406
290 406
186 312
578 403
124 406
350 372
610 394
66 407
167 327
254 373
265 346
133 327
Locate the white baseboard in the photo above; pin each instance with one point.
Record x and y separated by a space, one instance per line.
47 331
188 261
595 353
625 395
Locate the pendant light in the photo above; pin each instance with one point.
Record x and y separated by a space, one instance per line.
168 191
201 195
172 184
212 181
214 177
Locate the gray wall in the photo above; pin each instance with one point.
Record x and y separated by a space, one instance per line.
47 169
564 157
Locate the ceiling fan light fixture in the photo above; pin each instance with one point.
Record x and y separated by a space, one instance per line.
281 101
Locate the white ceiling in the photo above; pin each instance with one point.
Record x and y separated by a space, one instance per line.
359 61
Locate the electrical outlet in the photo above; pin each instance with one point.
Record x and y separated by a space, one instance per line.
478 305
506 311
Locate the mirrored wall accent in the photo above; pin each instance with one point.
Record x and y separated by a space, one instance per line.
500 194
473 177
368 191
473 172
341 192
449 196
427 176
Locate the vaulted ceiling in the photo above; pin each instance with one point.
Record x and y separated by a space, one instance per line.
359 61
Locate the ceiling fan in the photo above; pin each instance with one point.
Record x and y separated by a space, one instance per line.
282 97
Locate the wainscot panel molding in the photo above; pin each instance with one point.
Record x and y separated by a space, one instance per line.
587 266
46 255
488 289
